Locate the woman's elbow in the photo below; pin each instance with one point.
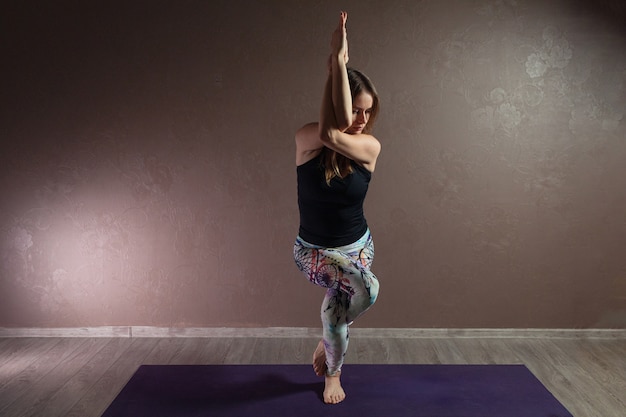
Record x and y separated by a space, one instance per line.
343 121
344 126
326 135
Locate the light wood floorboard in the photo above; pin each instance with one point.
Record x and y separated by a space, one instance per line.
79 377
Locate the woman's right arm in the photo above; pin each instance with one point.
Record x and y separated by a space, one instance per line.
336 100
362 148
341 95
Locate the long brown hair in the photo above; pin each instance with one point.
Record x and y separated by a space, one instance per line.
336 164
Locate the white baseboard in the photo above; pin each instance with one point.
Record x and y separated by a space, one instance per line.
305 332
103 331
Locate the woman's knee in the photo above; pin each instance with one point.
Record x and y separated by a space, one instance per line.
373 291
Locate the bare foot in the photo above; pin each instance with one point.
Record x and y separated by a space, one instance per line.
319 359
333 392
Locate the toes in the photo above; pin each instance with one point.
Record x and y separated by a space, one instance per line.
333 392
334 398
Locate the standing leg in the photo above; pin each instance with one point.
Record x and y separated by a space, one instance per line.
351 289
355 291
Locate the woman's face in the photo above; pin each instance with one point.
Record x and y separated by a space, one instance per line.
361 111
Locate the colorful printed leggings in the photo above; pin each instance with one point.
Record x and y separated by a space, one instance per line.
351 289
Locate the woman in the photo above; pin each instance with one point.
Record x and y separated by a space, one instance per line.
334 249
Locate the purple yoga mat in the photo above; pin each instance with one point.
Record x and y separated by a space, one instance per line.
372 391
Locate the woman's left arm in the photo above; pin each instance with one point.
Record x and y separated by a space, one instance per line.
362 148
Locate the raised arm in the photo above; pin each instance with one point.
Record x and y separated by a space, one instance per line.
337 100
341 97
338 113
341 120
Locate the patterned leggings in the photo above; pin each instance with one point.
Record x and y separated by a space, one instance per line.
351 288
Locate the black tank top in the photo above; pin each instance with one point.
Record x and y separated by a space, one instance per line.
331 216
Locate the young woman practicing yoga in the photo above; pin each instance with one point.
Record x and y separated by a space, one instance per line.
335 159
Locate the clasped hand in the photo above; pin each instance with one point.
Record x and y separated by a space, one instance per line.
339 41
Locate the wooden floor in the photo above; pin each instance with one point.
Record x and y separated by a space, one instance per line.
81 376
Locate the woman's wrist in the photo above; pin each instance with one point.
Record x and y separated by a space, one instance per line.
338 59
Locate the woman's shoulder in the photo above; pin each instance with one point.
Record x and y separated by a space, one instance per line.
308 143
308 129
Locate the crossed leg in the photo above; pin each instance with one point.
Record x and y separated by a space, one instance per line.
333 391
351 289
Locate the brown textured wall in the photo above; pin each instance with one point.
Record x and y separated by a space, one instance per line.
147 161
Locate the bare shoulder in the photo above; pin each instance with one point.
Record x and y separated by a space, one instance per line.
372 148
308 132
308 143
374 144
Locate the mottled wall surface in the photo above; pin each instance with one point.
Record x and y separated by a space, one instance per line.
147 169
